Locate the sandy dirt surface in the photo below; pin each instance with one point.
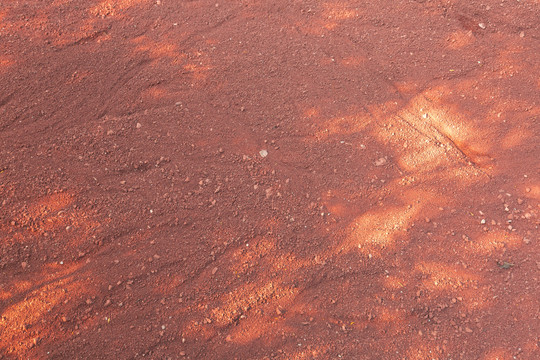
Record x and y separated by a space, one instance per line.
277 179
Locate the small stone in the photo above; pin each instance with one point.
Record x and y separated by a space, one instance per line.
24 264
228 338
528 189
263 153
380 162
139 125
214 270
182 353
468 329
107 303
482 26
522 34
520 201
504 264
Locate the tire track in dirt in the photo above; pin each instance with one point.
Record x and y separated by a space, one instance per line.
442 138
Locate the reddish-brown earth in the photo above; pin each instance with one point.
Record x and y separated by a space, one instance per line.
394 216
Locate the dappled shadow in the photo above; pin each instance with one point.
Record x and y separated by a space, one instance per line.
269 180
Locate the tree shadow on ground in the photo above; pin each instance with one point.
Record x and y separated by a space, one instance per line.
393 214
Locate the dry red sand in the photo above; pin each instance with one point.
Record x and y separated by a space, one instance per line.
394 216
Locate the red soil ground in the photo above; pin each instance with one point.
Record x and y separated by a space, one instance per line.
394 216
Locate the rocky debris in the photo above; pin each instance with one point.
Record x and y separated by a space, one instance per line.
381 161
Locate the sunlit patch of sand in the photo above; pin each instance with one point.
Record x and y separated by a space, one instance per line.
108 8
515 137
38 299
249 296
157 50
333 15
353 61
344 125
422 351
494 240
55 213
312 112
340 11
5 63
442 277
394 282
498 354
199 72
374 232
460 39
435 136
